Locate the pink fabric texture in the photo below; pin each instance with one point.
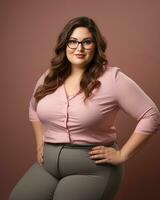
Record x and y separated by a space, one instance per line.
70 120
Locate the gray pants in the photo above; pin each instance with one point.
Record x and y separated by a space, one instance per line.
68 174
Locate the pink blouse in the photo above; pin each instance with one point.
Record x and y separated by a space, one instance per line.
70 120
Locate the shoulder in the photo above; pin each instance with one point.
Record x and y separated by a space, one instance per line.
110 73
42 77
44 74
115 74
114 77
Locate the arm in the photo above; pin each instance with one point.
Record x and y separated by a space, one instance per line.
132 100
134 144
36 123
38 133
115 157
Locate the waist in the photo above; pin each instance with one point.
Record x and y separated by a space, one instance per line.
81 145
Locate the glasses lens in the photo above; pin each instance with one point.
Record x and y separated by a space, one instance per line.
88 44
73 44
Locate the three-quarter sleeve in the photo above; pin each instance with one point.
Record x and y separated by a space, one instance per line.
135 102
32 104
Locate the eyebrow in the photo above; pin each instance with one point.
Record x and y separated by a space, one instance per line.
83 38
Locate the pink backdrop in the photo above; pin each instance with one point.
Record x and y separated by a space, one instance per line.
29 30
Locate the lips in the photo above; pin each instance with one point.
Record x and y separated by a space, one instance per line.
80 55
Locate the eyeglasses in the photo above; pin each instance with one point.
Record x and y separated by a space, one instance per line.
86 44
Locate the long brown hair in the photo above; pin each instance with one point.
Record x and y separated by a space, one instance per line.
61 68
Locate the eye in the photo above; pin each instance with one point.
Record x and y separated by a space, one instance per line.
72 42
87 42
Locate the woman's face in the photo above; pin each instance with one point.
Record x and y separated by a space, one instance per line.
80 54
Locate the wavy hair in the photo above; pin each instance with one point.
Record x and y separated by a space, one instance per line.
60 67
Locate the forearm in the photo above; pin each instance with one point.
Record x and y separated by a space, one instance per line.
133 145
38 133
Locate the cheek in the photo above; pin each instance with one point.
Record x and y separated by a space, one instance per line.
69 53
91 55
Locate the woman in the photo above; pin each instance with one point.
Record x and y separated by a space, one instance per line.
72 111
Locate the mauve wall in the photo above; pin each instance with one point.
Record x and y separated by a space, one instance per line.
28 33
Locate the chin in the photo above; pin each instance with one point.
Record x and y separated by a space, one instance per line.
78 63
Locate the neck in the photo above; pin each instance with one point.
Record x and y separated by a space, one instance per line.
77 71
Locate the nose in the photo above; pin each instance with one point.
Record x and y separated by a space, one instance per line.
80 46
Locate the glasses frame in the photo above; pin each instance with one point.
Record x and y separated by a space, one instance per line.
80 43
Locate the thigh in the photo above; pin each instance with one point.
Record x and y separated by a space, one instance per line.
88 187
36 184
80 187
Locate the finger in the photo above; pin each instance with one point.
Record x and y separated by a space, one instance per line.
41 158
98 147
93 152
101 161
40 161
97 156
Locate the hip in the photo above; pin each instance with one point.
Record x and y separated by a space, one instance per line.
70 159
